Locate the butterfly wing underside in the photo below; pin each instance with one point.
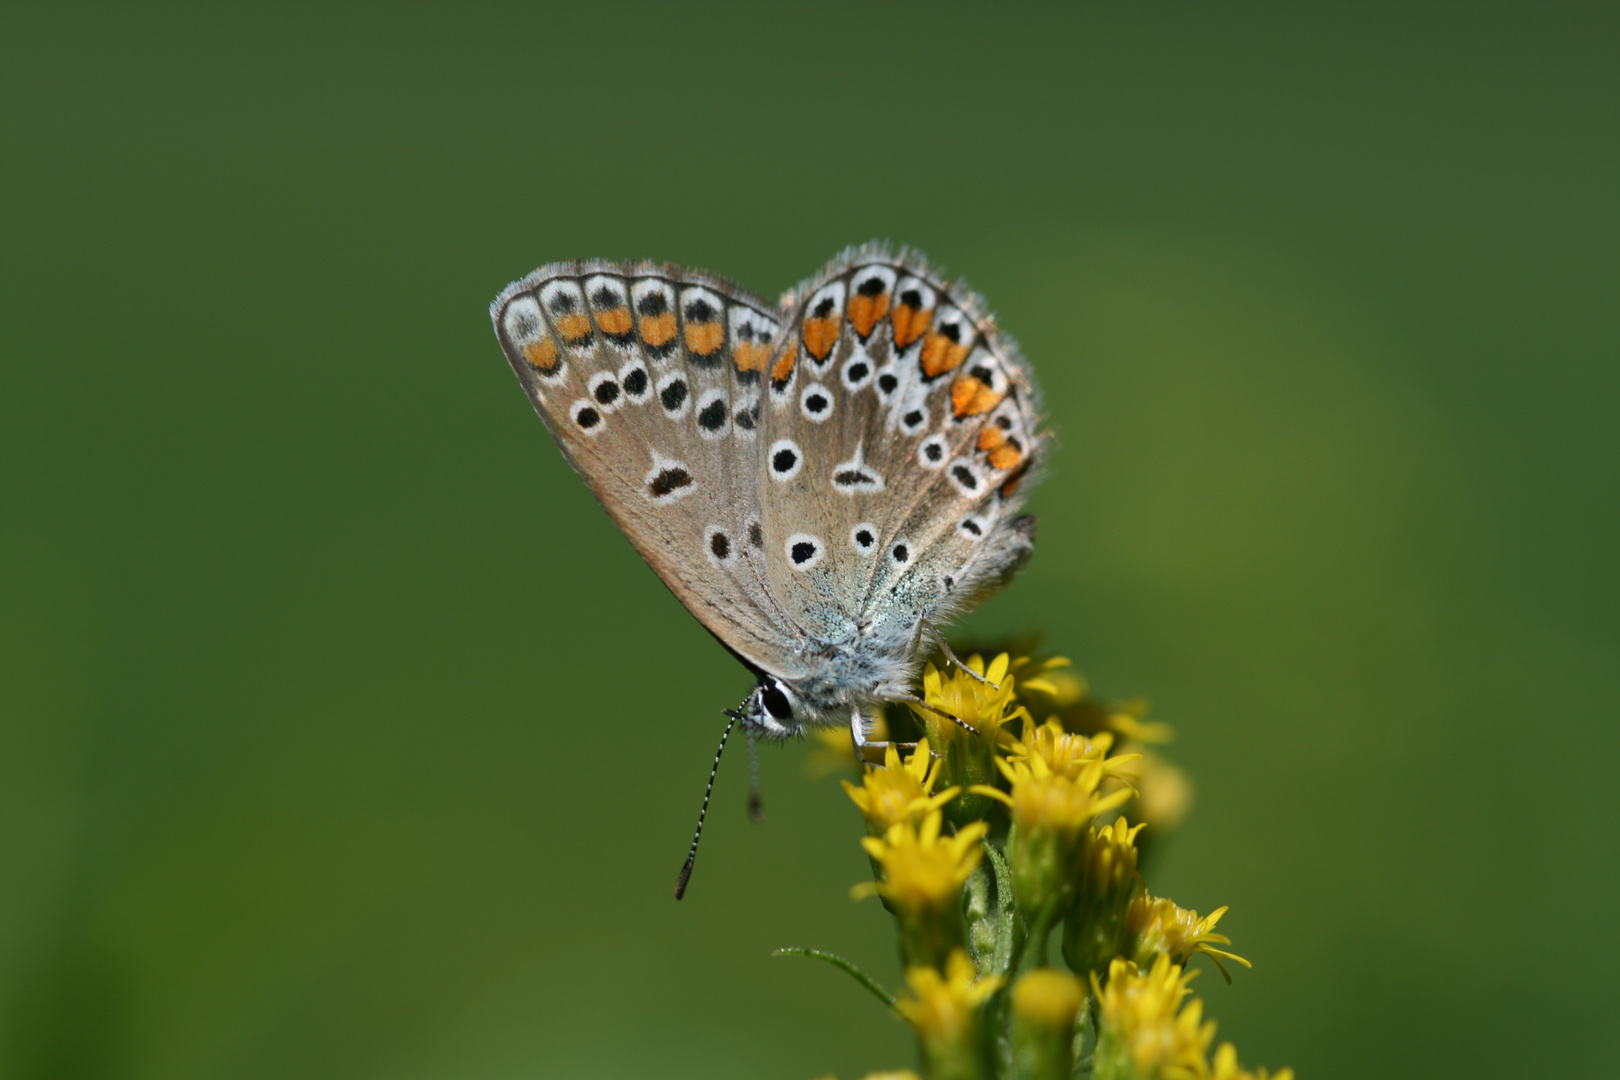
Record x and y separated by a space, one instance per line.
650 379
819 474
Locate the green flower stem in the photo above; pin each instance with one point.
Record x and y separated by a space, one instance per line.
1085 1037
1009 927
1040 1053
928 935
845 966
982 924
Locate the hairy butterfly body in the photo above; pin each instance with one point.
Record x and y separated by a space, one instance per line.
820 481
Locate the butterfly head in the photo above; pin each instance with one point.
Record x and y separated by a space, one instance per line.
772 709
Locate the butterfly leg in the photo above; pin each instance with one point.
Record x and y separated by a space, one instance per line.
944 647
911 699
857 732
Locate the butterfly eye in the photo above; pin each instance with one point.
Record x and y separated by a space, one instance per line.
775 698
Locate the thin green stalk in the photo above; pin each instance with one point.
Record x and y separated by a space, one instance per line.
845 966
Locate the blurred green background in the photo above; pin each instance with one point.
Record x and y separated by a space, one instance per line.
342 736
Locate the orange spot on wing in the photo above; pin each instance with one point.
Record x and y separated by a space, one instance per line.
1005 456
541 355
784 364
657 330
909 324
615 321
1012 481
866 311
940 354
574 327
749 355
991 437
704 338
970 397
820 335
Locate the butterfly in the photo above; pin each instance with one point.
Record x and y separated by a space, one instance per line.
823 481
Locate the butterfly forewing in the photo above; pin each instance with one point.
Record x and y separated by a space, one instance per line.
650 380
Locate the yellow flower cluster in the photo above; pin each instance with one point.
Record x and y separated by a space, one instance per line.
1050 811
1145 1022
1095 931
982 844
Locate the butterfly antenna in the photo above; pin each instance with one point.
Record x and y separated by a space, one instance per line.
691 856
756 806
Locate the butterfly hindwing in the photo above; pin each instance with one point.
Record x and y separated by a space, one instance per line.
898 424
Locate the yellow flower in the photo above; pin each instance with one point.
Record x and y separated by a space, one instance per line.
1049 811
1111 855
986 704
1066 752
1126 719
1042 798
1163 929
944 1011
1048 997
1144 1023
1046 1004
1051 684
1163 793
832 750
921 868
896 793
1226 1068
922 877
944 1006
1096 930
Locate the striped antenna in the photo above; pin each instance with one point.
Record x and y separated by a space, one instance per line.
691 856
